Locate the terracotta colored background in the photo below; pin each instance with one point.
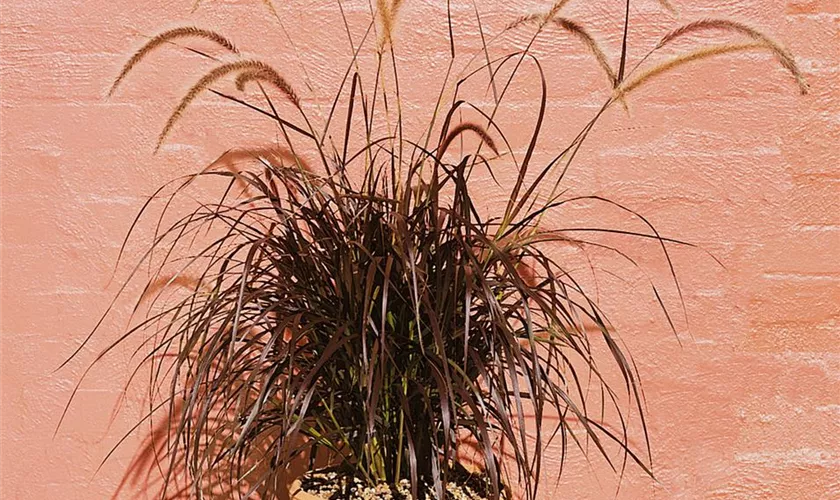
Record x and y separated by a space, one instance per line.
724 154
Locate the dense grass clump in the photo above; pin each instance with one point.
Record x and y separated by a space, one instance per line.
353 304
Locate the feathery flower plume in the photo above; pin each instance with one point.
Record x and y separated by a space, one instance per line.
271 77
783 55
577 30
202 85
460 129
167 37
703 53
387 16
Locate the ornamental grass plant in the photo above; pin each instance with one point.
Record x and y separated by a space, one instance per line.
346 301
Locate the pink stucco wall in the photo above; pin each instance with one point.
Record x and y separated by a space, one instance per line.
724 154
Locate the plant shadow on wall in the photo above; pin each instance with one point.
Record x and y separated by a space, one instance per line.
348 306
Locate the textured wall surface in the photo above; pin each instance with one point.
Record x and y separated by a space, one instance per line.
724 154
